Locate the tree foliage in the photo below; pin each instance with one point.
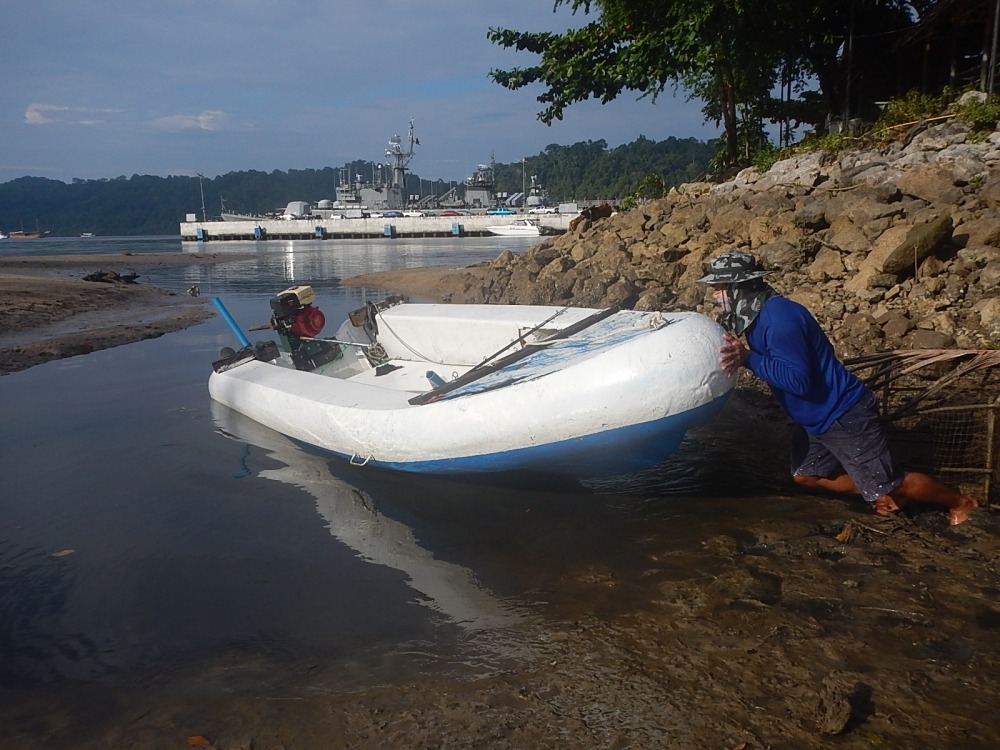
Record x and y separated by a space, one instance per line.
589 170
748 61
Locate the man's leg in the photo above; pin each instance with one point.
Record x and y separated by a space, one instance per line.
815 467
842 484
922 488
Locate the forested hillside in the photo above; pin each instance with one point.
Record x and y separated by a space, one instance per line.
144 204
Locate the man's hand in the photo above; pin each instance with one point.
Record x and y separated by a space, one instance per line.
732 355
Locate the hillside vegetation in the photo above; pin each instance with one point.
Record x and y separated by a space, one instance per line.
144 204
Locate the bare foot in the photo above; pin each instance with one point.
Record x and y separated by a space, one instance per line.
960 513
886 506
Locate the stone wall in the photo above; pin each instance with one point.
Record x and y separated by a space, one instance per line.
898 248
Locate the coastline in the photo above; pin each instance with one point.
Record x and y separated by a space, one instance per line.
48 312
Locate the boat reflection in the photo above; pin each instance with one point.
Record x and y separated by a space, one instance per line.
354 520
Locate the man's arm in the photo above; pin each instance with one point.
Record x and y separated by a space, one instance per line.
785 362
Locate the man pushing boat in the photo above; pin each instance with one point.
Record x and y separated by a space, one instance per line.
838 442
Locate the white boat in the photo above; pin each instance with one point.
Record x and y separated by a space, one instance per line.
518 228
480 388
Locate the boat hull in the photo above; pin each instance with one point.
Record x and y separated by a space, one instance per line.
616 398
514 231
622 450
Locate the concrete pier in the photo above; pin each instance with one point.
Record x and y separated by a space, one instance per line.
332 229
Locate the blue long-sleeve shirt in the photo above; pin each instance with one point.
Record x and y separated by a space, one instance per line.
792 354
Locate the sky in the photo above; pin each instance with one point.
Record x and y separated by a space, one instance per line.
106 88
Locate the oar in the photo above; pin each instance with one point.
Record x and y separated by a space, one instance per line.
520 339
481 370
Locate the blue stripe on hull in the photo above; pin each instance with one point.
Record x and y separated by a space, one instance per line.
619 451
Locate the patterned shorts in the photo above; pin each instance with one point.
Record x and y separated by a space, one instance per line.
856 444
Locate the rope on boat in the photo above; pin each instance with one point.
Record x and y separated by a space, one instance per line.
412 351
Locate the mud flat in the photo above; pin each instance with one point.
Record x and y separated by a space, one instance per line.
48 312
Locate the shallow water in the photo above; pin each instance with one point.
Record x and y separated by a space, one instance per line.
152 537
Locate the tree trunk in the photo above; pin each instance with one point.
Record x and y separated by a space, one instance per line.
727 105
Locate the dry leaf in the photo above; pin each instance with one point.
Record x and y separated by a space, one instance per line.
845 534
197 740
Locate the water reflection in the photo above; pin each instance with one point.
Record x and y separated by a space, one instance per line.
714 460
353 518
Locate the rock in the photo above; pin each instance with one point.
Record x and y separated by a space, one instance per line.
933 183
921 339
871 265
989 277
111 277
989 192
920 241
811 216
827 265
842 701
989 314
809 299
981 231
833 710
942 322
895 325
905 257
882 281
780 255
807 171
900 248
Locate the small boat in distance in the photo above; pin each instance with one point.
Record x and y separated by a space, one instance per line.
523 227
20 234
479 389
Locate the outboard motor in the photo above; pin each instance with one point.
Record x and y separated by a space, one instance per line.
298 323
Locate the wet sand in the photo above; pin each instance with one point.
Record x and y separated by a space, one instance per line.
48 312
804 624
793 622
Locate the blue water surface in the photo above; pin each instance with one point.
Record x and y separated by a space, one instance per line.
151 537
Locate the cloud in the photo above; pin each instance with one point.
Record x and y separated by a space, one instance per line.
46 114
208 120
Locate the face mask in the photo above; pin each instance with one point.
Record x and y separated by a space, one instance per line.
722 299
741 303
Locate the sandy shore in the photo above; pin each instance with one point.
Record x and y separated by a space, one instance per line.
48 312
812 626
433 283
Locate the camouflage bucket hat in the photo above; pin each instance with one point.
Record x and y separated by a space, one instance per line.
733 268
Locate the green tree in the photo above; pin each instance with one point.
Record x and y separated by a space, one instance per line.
733 55
711 47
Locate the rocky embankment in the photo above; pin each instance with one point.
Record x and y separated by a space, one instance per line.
890 249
